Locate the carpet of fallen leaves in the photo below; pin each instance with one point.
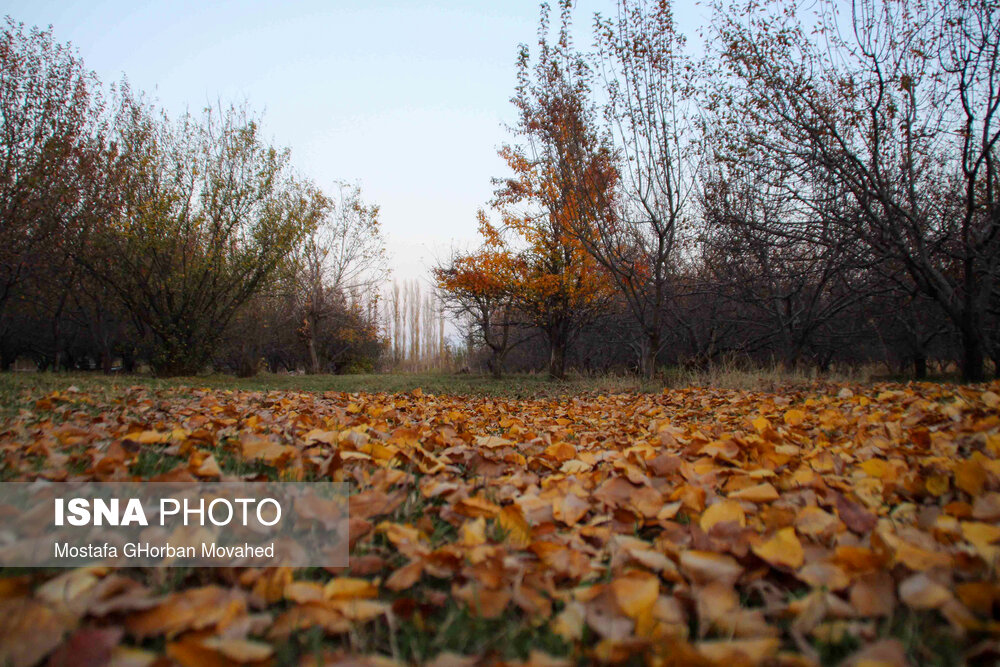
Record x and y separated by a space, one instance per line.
695 526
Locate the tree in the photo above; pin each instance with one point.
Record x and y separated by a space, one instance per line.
50 106
789 288
344 252
899 104
483 286
206 214
559 152
648 84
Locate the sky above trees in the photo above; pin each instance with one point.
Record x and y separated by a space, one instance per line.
409 99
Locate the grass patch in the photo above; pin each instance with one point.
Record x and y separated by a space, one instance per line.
426 632
151 462
19 390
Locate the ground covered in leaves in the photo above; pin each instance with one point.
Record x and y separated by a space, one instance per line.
830 524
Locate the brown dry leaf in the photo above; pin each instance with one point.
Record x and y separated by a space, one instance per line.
405 577
242 651
631 511
570 509
485 602
883 653
359 610
605 617
477 507
970 476
304 591
739 650
264 449
814 522
706 567
922 592
87 647
193 609
309 615
30 630
987 507
824 575
874 595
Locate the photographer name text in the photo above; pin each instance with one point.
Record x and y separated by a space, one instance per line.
159 551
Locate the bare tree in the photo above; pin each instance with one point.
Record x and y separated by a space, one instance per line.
344 253
898 104
647 78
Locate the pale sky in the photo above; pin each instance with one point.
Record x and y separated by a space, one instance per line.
408 99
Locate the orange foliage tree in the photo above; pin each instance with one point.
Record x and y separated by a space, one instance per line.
484 286
544 209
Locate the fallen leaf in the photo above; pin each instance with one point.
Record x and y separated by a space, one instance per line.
782 550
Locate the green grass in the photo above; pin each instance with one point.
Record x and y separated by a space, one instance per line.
427 632
13 386
16 387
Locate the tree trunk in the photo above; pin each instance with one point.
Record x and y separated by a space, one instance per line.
647 355
128 360
557 355
311 343
8 355
920 366
496 366
973 356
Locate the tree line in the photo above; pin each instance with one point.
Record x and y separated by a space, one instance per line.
128 237
818 186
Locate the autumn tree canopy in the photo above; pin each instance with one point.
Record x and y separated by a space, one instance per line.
126 234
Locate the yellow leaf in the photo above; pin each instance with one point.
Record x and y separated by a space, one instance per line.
727 510
636 593
476 507
209 467
794 417
876 468
149 437
782 550
970 476
568 624
983 537
937 485
474 532
760 493
304 591
512 520
349 588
